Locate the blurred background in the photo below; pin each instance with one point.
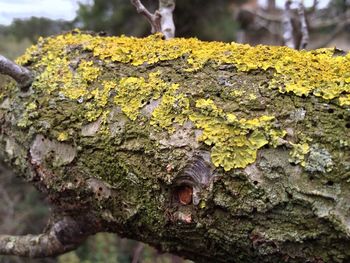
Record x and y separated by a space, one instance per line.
22 209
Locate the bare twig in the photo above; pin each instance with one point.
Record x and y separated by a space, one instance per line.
287 26
21 75
162 19
62 236
303 27
153 19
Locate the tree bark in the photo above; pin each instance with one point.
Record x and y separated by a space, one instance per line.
215 152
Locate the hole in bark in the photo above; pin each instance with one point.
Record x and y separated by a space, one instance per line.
347 125
100 188
289 195
311 178
330 183
255 182
330 111
183 194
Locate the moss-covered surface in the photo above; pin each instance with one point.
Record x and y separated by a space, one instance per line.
123 117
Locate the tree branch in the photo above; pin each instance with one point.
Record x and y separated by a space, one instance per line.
63 236
287 26
166 9
303 27
162 19
153 19
21 75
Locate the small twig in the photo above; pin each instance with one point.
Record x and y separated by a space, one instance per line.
153 19
287 26
21 75
62 236
303 27
162 19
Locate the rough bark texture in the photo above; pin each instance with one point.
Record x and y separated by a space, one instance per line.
216 152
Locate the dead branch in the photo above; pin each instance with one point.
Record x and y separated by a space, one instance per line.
21 75
303 27
162 19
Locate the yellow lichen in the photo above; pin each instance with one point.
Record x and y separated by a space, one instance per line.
172 109
297 155
307 72
62 136
134 92
344 100
234 140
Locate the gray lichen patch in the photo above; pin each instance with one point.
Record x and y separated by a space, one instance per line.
319 160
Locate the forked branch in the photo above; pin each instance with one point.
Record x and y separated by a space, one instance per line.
21 75
162 19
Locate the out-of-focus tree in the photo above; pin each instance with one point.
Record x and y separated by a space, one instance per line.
327 26
35 27
207 20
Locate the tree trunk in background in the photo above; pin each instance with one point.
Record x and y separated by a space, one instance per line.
215 152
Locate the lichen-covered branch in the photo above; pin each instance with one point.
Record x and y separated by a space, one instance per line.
218 152
162 19
63 236
20 74
303 26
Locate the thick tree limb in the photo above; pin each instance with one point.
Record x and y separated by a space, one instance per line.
63 236
21 75
216 152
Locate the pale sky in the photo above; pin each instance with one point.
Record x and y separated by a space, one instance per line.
65 9
54 9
